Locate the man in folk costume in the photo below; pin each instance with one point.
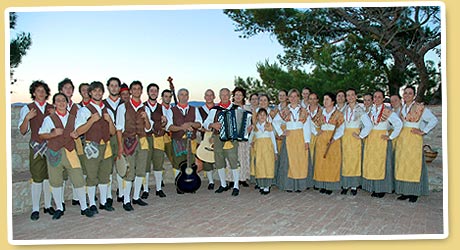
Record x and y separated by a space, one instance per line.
95 121
204 110
59 130
378 156
327 151
67 88
112 103
294 172
125 93
358 125
411 174
166 97
85 98
155 137
132 122
315 112
30 119
223 150
184 118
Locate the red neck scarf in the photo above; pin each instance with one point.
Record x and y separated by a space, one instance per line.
135 104
167 106
100 103
225 106
153 103
116 98
209 106
86 103
60 114
182 106
41 103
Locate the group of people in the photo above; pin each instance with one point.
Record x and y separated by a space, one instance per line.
294 145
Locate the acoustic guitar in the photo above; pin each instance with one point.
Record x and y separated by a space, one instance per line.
205 151
188 181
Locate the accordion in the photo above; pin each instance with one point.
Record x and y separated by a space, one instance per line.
235 123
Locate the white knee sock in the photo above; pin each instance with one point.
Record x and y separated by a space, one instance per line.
158 179
127 191
146 182
36 191
221 173
47 193
102 193
120 185
109 187
57 195
91 195
209 175
81 193
236 178
74 193
63 191
137 187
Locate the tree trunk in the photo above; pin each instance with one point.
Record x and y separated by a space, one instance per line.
424 78
397 76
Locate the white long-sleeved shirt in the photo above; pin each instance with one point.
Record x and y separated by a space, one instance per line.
210 118
393 120
48 124
357 118
326 126
166 112
262 133
25 110
120 120
184 112
426 123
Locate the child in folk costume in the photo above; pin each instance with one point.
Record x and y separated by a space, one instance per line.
263 142
294 171
327 151
59 131
378 156
357 126
411 175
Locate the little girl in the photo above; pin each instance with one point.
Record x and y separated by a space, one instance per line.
263 141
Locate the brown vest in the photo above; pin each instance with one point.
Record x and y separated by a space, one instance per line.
179 119
114 111
63 140
100 129
36 122
203 113
74 109
134 124
156 117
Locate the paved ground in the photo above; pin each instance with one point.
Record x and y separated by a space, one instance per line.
206 214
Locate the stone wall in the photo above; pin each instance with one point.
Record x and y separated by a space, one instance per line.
21 177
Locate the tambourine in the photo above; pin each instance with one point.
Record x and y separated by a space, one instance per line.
122 166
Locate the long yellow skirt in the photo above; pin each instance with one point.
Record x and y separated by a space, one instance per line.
351 150
327 169
297 155
408 156
375 152
264 155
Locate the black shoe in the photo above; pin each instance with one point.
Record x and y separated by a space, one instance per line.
413 198
75 202
328 192
315 188
160 193
211 186
256 187
344 191
109 201
162 184
35 215
106 207
120 199
235 192
322 190
403 197
128 207
93 209
374 194
354 192
63 207
140 202
380 195
298 191
118 192
145 195
230 184
289 191
244 184
87 212
222 189
49 210
57 214
179 191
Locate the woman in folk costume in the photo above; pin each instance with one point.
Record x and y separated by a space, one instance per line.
358 125
293 171
378 156
327 151
59 130
411 175
263 142
315 111
282 103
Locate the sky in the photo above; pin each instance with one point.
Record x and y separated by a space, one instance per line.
198 48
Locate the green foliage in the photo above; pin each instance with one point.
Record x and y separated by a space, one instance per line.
18 46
